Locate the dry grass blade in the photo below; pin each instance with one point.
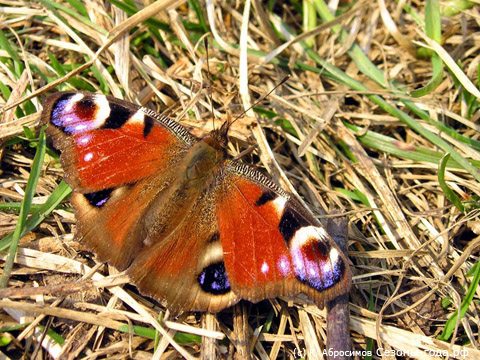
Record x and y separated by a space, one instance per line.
343 133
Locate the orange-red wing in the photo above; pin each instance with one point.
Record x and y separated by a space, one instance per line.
186 268
117 158
271 246
106 142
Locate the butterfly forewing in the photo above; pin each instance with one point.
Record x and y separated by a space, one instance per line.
272 247
106 142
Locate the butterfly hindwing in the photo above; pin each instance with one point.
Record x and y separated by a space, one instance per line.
110 225
186 268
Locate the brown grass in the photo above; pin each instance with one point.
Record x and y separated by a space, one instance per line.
410 248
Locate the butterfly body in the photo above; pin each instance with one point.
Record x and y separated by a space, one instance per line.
194 173
191 227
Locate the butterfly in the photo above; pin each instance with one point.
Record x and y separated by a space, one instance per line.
192 227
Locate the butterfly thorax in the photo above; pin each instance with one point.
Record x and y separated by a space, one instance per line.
203 161
190 178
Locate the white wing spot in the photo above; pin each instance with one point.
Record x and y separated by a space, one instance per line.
88 157
137 118
334 255
84 140
304 234
73 100
279 204
103 110
264 269
80 127
284 265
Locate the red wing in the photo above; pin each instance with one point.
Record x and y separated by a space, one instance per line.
271 246
106 142
117 157
110 222
186 268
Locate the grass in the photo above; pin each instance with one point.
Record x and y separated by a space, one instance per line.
399 154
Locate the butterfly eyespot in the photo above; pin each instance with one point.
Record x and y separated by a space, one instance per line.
315 262
99 198
213 279
63 106
77 113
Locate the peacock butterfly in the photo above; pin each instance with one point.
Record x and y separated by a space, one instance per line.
191 227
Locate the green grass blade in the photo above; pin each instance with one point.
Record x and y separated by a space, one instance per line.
453 7
309 20
452 321
197 8
475 144
55 7
354 195
25 209
53 335
5 45
324 12
392 146
446 189
437 77
417 18
18 66
56 64
433 28
433 21
131 10
78 6
14 327
363 63
104 88
157 335
181 338
57 196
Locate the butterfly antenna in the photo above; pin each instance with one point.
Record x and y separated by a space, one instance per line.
205 42
283 81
